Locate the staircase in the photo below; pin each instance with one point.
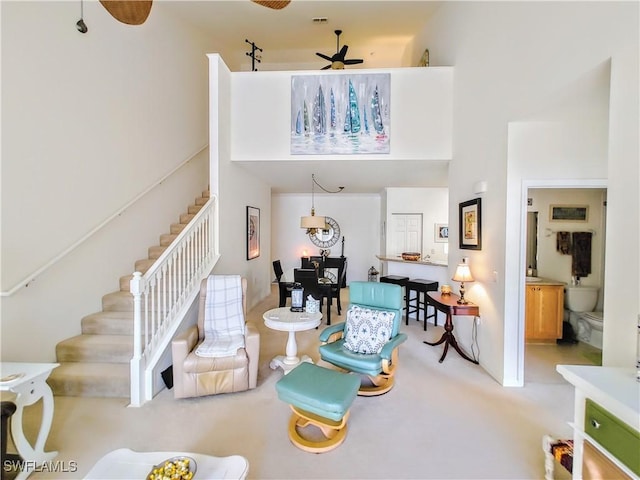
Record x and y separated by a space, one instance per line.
96 363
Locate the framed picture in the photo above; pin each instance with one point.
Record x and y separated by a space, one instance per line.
441 233
253 232
569 213
470 214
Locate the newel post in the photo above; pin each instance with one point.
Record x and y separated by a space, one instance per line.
136 287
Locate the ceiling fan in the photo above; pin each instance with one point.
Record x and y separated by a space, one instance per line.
338 60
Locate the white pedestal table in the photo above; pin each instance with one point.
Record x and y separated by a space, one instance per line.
283 319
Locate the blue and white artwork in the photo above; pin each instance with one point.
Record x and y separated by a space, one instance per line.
340 114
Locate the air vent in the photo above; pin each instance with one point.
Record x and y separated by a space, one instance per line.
320 20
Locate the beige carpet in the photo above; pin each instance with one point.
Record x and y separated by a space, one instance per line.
441 421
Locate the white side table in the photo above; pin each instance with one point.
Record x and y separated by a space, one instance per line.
29 382
283 319
126 464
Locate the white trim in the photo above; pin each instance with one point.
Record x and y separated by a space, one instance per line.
522 270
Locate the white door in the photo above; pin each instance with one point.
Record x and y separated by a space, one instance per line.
406 233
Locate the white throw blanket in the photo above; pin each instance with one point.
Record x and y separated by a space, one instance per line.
223 317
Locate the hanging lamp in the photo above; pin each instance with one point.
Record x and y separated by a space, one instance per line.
312 222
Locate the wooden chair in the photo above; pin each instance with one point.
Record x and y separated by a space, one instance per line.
339 263
308 278
283 287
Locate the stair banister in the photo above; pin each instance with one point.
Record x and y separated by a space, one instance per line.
165 292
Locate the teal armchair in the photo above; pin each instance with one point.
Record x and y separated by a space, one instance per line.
337 344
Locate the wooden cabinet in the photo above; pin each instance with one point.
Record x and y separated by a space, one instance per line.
544 308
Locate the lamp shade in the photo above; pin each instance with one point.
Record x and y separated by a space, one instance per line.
312 221
463 273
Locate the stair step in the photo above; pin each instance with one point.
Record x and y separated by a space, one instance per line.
143 265
97 362
185 218
176 228
96 348
91 380
117 302
167 238
108 323
156 251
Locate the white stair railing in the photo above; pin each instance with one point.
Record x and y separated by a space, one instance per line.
165 292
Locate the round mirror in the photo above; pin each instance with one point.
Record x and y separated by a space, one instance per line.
328 237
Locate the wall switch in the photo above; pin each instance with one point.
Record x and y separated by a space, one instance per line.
495 276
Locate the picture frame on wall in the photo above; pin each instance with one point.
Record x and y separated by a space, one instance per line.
569 213
253 232
441 233
470 219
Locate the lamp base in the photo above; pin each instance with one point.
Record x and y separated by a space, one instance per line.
462 301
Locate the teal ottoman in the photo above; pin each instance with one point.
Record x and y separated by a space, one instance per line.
321 397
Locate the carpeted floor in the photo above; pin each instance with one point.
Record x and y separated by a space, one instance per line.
441 421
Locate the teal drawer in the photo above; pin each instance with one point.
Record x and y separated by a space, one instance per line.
618 438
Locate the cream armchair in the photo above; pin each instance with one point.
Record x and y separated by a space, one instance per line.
196 376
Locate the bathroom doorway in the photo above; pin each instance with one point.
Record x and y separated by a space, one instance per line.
544 256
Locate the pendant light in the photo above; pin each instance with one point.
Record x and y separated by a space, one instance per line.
312 222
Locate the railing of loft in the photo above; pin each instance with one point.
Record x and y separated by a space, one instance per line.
165 292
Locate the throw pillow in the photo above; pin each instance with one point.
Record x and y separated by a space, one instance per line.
367 330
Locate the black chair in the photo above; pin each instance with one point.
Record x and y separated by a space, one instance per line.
339 263
314 262
283 287
308 278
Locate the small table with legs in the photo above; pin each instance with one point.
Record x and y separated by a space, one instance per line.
285 320
29 382
448 304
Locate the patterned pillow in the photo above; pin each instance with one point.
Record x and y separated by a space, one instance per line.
367 330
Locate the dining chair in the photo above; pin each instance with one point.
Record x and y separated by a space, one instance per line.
316 262
340 264
308 278
284 287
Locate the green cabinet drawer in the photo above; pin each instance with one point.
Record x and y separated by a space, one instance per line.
618 438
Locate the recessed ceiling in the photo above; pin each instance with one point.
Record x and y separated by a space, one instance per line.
377 31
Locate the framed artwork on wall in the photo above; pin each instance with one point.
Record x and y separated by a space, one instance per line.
569 213
341 114
470 218
253 233
441 233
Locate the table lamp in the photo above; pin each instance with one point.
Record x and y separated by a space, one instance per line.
463 274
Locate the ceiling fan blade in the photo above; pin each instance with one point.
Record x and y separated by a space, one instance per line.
343 51
322 55
326 68
353 61
132 12
274 4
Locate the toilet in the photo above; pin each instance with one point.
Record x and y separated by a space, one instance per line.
581 300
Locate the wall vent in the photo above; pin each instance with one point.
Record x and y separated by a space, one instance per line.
320 20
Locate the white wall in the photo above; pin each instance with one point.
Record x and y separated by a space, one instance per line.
88 123
358 216
511 59
236 189
420 115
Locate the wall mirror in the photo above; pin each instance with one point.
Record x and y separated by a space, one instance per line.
532 240
327 237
